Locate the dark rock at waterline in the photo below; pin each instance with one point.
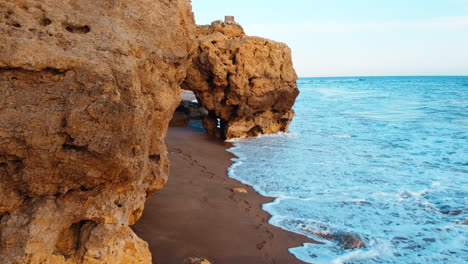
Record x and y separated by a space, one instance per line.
344 240
348 241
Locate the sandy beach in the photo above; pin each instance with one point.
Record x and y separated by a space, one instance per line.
198 214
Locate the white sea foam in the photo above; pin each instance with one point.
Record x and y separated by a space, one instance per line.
399 185
356 255
320 163
342 136
277 134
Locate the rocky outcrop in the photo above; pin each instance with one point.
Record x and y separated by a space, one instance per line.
87 89
192 110
186 111
247 84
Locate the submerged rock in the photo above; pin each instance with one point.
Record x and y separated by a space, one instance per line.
87 89
452 212
343 239
247 84
348 241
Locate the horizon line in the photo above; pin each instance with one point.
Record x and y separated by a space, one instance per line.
370 76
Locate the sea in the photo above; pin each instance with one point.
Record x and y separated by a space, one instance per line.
378 161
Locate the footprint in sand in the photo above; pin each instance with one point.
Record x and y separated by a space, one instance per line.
260 245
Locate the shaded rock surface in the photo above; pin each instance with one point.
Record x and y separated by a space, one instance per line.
179 119
192 109
87 89
186 111
247 84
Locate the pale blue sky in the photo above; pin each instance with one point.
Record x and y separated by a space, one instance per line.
356 37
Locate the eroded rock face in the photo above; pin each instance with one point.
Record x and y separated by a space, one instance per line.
247 84
87 89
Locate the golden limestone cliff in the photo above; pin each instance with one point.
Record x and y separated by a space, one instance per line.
87 89
248 84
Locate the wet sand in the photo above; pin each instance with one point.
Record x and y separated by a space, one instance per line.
197 214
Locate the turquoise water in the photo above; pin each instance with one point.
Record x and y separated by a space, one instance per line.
382 159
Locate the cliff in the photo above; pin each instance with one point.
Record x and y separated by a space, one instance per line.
248 84
87 89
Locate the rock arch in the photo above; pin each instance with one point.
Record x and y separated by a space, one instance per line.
248 84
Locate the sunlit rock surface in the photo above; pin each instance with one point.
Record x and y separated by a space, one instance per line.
87 89
248 84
